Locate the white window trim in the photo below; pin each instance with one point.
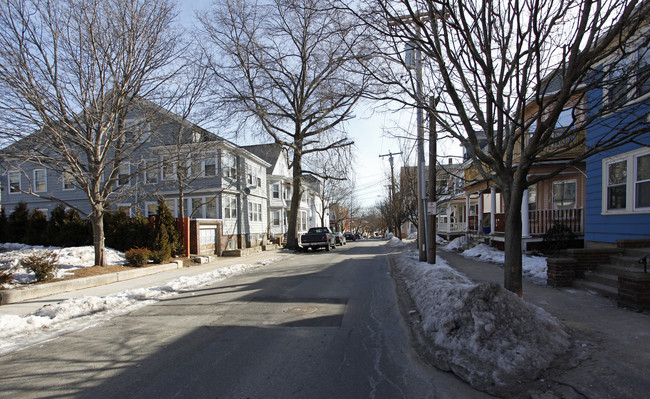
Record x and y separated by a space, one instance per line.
126 205
70 180
36 182
575 182
630 184
146 207
128 174
20 182
632 58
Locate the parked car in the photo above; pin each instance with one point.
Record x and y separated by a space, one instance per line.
318 237
340 239
349 236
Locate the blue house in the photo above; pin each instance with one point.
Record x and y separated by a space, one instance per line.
618 180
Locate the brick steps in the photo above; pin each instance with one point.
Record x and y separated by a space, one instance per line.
612 272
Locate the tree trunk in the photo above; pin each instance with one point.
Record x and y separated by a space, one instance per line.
292 233
97 222
512 247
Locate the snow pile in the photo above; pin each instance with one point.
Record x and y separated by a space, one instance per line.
395 242
77 313
69 260
532 266
413 235
456 243
486 335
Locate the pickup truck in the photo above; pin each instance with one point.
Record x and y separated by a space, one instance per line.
318 237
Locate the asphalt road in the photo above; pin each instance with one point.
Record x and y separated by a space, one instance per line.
315 325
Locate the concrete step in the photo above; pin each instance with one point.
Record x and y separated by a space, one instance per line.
601 289
626 261
603 278
637 252
611 268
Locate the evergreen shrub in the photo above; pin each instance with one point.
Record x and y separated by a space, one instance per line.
138 257
44 265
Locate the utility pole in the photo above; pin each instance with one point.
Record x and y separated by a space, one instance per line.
432 206
393 205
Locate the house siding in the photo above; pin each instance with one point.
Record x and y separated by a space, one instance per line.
600 227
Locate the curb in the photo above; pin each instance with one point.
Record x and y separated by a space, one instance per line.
37 291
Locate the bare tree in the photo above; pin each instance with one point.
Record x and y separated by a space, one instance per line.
503 73
191 154
74 72
287 65
333 168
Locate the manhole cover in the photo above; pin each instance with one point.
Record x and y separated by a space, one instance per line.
301 310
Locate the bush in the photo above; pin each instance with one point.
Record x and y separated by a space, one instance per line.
166 236
5 276
161 256
138 257
17 223
36 228
43 265
557 238
123 233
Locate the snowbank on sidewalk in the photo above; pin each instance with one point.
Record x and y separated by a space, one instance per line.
532 266
486 335
395 242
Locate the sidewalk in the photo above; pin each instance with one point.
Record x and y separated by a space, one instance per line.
162 276
610 356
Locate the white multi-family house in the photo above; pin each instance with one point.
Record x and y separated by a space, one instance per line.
280 188
219 181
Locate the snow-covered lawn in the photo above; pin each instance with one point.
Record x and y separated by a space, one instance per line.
483 333
69 260
533 267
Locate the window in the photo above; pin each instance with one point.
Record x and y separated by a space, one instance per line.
150 172
230 165
276 218
276 191
171 205
124 208
630 78
254 212
642 182
211 208
152 208
626 182
229 208
617 83
168 170
68 181
532 197
303 220
123 174
564 194
14 182
210 165
616 185
40 180
194 167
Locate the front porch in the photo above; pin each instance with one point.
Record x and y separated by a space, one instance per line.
466 217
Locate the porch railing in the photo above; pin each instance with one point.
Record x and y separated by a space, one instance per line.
540 221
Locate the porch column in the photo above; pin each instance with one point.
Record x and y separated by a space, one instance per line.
493 205
467 212
479 225
525 220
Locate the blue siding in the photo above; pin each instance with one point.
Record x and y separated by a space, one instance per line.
609 228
